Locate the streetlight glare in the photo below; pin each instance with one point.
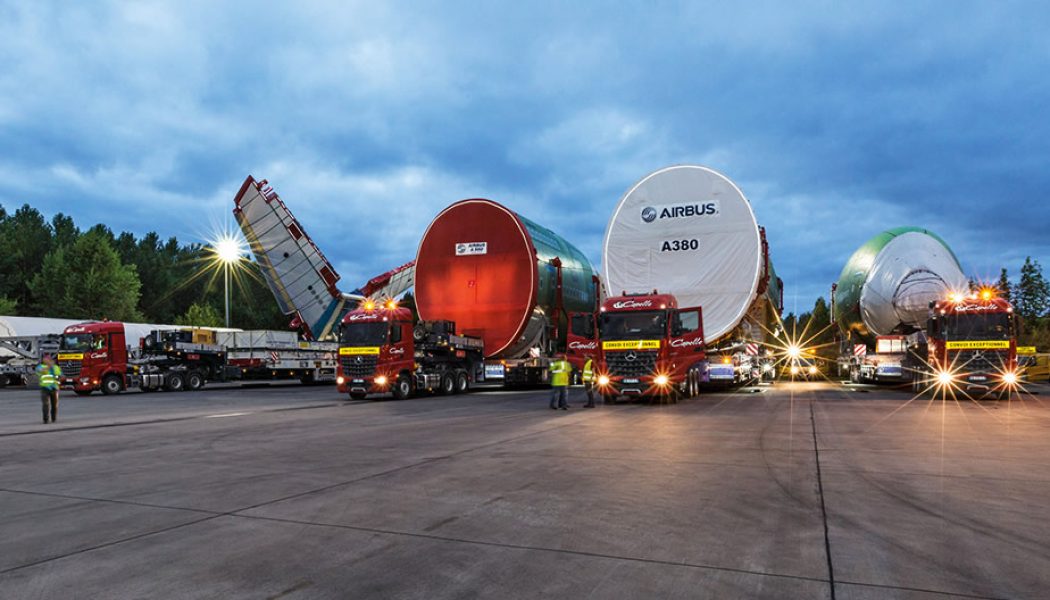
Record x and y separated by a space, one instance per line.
228 249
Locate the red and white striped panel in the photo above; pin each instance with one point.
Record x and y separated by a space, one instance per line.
860 350
752 349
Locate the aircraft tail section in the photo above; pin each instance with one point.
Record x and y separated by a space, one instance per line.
297 272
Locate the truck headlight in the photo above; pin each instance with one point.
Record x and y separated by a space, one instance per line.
945 377
812 370
381 380
794 370
603 380
1010 378
661 380
340 380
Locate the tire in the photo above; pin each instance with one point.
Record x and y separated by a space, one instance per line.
358 395
194 381
82 392
462 382
402 388
111 384
448 385
3 381
176 383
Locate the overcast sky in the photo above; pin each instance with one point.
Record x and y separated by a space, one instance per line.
838 120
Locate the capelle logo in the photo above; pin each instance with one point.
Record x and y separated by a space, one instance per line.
679 211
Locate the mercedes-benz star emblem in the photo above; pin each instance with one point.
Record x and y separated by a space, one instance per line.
631 356
359 360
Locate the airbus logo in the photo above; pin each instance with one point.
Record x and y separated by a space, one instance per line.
680 211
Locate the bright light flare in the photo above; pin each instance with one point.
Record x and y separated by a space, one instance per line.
794 351
228 249
945 378
603 380
661 380
1010 378
812 370
794 369
368 305
381 380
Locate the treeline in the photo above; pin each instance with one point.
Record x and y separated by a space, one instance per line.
51 268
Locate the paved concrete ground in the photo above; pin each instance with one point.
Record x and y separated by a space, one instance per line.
291 492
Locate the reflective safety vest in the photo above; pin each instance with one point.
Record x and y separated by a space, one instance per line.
48 376
588 371
560 373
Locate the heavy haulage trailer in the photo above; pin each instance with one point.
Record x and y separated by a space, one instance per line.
112 357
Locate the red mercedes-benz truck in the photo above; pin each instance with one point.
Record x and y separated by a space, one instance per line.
972 343
381 349
647 346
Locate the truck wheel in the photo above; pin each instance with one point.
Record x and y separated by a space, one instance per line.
176 382
194 381
462 383
357 395
448 384
111 384
402 388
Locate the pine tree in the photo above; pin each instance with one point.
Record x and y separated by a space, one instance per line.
1004 285
87 281
1033 292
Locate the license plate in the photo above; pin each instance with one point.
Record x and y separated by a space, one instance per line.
978 378
359 381
630 381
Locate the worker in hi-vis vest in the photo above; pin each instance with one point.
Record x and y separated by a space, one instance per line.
560 371
49 375
588 382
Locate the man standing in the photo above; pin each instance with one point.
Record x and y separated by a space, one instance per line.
588 382
49 375
560 370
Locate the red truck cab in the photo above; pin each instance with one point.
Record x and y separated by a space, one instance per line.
94 356
972 342
375 349
646 346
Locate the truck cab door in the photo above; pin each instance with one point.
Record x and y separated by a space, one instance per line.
399 346
582 340
687 336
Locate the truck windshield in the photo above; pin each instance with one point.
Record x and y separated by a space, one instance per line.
80 342
633 325
364 334
994 326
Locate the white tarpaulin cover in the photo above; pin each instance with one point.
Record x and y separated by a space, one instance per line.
689 231
912 270
33 326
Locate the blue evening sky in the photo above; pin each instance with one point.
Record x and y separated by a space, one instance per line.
837 119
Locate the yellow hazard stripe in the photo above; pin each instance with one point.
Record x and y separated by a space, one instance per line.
631 345
979 345
359 350
77 356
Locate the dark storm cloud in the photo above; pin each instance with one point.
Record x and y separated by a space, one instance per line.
837 120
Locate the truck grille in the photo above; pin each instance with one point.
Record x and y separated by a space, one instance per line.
632 363
359 366
70 368
979 361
